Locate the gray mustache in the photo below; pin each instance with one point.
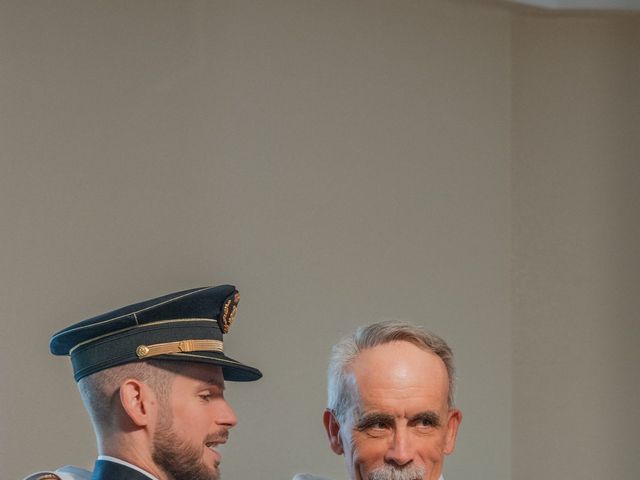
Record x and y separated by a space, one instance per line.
389 472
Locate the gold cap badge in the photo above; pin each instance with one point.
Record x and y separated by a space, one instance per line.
229 312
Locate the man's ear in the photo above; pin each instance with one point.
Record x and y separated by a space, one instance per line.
138 402
332 427
453 422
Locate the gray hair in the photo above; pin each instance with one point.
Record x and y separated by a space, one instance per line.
342 391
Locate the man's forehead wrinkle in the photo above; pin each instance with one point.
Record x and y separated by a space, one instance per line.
373 393
399 357
409 389
376 414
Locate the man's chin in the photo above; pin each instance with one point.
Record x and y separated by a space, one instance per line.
181 461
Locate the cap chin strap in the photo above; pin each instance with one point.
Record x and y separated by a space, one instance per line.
146 351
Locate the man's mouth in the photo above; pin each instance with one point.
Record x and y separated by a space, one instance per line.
214 442
213 446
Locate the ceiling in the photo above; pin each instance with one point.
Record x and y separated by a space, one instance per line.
582 4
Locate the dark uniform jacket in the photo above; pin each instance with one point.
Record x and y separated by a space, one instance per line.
103 470
106 470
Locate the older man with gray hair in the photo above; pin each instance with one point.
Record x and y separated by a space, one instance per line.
390 408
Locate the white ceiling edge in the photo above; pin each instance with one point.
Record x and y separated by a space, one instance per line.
582 4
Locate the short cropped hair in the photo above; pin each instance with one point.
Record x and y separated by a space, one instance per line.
342 391
99 390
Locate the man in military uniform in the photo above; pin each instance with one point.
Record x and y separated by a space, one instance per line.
151 376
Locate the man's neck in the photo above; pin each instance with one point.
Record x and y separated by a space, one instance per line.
132 454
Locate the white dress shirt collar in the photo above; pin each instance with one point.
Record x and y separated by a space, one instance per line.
126 464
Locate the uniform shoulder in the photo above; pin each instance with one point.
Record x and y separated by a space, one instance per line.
42 476
65 473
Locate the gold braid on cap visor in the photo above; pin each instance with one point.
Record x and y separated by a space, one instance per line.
146 351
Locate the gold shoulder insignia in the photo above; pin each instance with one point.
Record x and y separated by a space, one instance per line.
43 476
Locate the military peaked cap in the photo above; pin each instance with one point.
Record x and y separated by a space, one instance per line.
187 326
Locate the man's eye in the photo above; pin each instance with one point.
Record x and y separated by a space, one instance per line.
378 425
373 425
378 430
206 396
427 422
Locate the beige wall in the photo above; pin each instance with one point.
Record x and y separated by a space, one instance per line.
340 162
576 211
448 162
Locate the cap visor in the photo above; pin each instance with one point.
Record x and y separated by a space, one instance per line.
232 370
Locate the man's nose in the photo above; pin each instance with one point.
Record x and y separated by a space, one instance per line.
402 449
225 415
